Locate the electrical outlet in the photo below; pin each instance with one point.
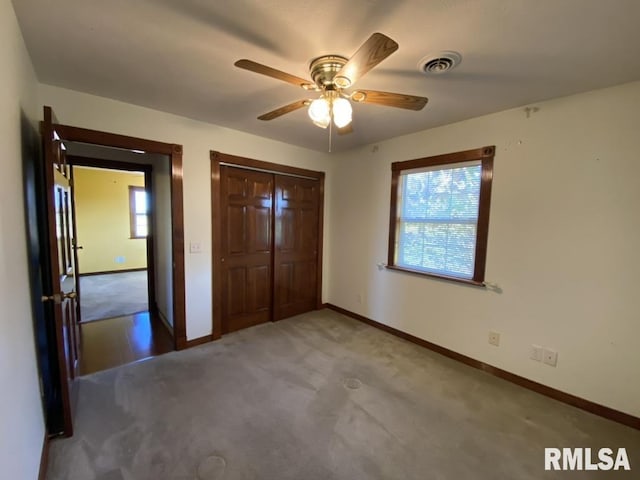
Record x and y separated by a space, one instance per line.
536 353
360 298
550 357
494 339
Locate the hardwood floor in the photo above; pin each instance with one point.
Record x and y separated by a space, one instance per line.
116 341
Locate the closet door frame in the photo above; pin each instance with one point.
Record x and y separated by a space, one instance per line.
218 159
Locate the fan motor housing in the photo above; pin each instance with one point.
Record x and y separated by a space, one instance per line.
324 69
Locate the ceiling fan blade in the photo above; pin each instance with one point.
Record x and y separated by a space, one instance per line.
273 73
399 100
371 53
345 130
282 110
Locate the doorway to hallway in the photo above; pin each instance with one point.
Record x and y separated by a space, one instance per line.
123 225
112 241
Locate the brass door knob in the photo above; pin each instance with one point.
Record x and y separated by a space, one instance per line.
58 297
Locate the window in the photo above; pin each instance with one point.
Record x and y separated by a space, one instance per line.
138 212
440 215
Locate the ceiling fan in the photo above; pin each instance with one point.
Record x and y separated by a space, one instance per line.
332 75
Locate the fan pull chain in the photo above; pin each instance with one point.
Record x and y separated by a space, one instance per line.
330 124
330 134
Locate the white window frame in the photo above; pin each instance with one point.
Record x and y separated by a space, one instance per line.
133 214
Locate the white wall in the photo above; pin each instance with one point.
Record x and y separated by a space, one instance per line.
22 421
197 139
563 244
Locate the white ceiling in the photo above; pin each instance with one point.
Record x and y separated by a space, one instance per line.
177 55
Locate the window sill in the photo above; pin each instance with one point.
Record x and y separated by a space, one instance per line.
436 276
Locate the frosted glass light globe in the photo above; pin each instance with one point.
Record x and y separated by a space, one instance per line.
320 113
342 112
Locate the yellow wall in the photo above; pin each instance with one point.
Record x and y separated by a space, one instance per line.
102 221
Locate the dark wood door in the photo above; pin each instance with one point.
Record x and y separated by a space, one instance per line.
246 247
297 202
62 269
74 248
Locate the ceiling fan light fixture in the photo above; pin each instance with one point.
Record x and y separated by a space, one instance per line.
320 112
332 74
342 112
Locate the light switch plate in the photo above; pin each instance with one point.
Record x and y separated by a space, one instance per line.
195 247
536 353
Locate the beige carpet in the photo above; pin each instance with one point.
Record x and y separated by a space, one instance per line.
319 396
113 295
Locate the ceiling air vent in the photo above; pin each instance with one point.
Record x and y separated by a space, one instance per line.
439 63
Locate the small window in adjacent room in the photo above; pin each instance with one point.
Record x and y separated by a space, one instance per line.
440 215
138 212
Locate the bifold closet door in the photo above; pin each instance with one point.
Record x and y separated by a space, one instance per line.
247 254
297 203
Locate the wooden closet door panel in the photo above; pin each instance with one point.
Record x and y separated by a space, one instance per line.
247 247
297 202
